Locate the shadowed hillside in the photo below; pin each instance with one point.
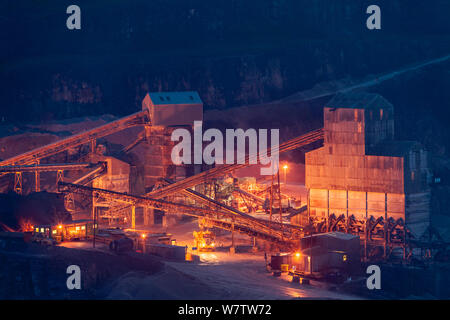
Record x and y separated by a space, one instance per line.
233 52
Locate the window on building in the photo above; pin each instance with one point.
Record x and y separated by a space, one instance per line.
381 114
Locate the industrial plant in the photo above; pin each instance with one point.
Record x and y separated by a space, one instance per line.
366 197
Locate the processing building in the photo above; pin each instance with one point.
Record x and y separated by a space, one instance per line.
362 174
168 111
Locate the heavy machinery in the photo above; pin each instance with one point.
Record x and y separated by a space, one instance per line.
204 240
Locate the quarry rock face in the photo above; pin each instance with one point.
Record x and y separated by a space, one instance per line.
233 54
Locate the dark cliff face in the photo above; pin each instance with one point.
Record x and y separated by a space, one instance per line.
18 212
233 52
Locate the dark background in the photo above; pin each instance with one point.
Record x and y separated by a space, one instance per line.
233 52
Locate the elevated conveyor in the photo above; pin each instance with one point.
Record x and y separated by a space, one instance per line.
33 156
183 186
47 167
189 182
283 233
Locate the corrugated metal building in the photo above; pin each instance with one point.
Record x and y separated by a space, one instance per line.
362 172
168 111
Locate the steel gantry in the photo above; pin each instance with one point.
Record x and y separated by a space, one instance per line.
89 136
189 182
216 212
18 182
185 184
218 216
31 161
18 171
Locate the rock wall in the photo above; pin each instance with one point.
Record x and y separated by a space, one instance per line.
233 52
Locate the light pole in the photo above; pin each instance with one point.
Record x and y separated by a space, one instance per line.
143 236
285 167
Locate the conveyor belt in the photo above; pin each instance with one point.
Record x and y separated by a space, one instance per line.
47 167
246 224
189 182
31 157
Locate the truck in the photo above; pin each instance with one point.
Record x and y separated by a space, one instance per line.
204 240
331 256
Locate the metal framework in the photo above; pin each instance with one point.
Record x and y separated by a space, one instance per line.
182 186
382 232
18 170
30 161
45 167
388 234
219 216
18 182
189 182
89 136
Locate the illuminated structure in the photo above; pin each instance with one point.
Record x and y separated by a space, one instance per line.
168 111
362 179
105 188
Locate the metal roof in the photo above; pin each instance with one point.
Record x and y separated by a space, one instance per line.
359 100
182 97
